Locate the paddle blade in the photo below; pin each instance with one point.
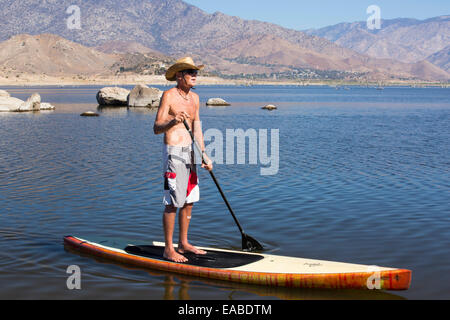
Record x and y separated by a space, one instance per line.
250 244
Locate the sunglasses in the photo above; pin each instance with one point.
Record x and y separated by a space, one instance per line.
191 72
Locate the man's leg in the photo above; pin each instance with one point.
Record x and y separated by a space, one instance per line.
169 225
184 218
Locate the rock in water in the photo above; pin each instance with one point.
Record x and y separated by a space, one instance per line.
217 102
4 94
112 96
47 106
11 104
89 114
32 104
269 107
143 96
8 104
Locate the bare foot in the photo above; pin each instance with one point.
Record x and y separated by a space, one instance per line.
190 248
174 256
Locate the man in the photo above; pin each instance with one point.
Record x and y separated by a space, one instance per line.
181 189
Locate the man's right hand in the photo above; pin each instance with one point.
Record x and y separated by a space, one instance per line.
180 117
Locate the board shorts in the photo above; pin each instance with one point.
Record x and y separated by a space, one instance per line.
180 176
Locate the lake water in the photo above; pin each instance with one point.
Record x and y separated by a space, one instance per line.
363 177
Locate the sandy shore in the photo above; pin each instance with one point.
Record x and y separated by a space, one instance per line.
43 80
82 80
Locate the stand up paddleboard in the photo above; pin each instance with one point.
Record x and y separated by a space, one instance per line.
249 268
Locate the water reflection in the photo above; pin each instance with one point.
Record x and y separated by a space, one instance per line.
112 110
124 110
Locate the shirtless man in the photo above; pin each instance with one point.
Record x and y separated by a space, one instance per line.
180 176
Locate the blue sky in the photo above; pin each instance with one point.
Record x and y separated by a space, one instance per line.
301 14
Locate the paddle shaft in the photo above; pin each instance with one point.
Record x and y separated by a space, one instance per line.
214 178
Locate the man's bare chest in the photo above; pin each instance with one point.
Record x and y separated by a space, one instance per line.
179 106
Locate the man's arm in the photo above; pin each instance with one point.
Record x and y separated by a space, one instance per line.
164 121
197 126
198 134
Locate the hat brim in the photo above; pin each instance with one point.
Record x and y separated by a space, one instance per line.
171 74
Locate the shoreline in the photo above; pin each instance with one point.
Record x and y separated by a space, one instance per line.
131 80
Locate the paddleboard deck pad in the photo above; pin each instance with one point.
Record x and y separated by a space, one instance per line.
247 267
213 258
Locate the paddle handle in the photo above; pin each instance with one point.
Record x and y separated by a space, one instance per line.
214 177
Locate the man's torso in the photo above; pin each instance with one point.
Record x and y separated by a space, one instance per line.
178 135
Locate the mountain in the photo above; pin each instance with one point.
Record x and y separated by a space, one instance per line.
406 40
124 46
176 28
148 22
274 52
52 54
441 58
170 26
135 58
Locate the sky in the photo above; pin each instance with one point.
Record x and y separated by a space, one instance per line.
301 14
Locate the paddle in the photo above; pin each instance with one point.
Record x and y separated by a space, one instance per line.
248 243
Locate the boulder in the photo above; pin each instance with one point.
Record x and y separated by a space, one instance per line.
4 93
112 96
47 106
33 103
217 102
143 96
10 104
269 107
89 114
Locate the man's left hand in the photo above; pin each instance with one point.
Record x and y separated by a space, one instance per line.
207 164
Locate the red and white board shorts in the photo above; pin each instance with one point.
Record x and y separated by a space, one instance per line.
180 176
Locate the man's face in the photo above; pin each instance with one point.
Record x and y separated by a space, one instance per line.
190 76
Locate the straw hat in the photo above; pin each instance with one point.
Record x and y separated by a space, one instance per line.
185 63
